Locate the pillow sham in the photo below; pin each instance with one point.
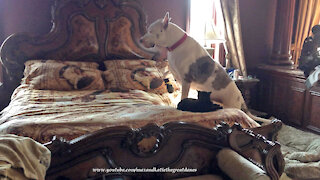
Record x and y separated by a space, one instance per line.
147 75
62 75
147 79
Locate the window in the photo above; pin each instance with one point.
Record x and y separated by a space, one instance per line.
206 26
306 16
202 15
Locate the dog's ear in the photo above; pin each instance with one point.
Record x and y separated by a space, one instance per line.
166 20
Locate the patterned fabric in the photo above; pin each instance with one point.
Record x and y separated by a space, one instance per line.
147 79
41 114
62 75
121 40
144 75
82 41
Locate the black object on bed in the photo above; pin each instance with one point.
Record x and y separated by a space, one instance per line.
202 104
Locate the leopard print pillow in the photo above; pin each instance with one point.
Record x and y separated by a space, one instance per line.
62 75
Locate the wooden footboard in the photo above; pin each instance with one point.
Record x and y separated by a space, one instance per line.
159 149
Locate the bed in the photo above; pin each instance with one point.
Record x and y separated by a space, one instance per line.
96 98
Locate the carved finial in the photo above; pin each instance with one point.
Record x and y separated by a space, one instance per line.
101 3
145 141
148 144
59 145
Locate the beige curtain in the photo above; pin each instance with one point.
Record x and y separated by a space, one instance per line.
308 16
233 35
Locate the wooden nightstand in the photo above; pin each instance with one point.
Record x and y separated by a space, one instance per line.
245 86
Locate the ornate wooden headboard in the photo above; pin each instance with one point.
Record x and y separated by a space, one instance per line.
82 30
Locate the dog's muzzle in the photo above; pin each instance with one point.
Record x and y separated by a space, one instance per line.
146 44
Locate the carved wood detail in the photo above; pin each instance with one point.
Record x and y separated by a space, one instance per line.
178 145
252 145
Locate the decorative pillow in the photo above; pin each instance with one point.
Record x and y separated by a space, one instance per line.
147 75
148 79
62 75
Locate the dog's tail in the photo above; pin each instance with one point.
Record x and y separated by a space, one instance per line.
245 109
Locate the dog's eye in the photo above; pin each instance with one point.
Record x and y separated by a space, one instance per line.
161 30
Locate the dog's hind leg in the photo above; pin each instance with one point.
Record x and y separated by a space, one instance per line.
185 89
245 109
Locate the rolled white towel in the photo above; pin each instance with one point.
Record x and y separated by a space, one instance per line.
239 168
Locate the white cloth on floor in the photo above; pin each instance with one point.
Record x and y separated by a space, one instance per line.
301 151
23 158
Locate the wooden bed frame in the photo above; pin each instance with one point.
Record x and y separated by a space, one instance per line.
173 145
98 30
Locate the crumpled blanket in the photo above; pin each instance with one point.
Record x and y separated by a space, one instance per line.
23 158
42 114
301 152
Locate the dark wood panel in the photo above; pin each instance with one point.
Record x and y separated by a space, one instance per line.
279 99
282 93
295 102
264 95
312 117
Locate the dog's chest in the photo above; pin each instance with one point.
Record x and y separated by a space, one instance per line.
179 67
182 58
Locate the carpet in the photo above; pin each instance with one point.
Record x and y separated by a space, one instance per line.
301 151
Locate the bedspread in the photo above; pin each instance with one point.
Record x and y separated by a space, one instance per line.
41 114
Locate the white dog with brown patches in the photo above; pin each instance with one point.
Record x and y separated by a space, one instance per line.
192 66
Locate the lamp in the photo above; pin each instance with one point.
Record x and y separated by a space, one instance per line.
211 36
